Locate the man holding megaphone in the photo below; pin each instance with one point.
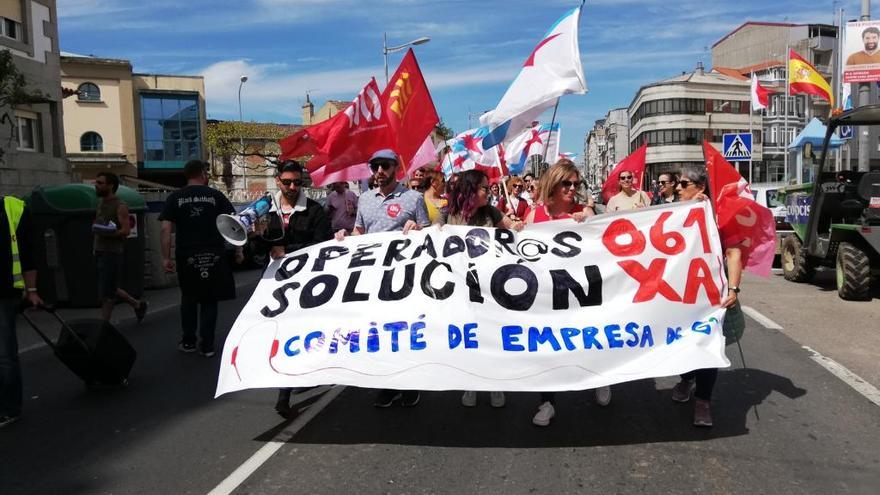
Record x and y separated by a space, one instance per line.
203 269
303 222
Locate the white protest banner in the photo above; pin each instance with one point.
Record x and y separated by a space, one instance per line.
559 306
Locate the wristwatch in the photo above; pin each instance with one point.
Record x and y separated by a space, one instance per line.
734 288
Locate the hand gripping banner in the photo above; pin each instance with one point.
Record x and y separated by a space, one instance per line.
559 306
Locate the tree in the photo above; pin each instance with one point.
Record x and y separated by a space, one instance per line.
443 131
13 92
228 139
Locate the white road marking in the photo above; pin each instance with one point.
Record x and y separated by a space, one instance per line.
249 466
763 320
853 380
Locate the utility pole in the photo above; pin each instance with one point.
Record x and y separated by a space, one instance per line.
864 99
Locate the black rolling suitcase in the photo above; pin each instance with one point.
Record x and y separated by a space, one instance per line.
93 349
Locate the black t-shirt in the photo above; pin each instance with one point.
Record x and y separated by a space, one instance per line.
194 211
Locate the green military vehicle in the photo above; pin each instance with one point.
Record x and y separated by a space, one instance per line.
836 219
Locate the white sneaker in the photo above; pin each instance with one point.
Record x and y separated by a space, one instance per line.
603 396
544 415
469 398
496 399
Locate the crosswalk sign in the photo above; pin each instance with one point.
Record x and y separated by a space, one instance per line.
737 147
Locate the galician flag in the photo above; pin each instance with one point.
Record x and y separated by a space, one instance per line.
553 69
532 141
466 152
804 78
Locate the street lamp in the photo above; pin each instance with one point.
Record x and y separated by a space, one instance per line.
386 49
242 80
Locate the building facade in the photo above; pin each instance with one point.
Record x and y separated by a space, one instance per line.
592 169
674 116
31 138
761 48
139 126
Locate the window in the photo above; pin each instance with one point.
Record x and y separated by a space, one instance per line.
668 106
88 92
10 28
91 141
28 133
171 127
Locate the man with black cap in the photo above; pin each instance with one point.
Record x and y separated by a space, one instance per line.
389 207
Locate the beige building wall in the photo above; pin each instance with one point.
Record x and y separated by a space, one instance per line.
111 116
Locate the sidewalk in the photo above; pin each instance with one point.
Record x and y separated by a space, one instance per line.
123 317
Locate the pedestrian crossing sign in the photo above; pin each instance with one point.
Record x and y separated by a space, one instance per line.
737 147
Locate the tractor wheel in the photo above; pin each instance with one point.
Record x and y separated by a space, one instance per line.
853 273
795 266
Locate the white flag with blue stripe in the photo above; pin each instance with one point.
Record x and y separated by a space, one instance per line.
553 69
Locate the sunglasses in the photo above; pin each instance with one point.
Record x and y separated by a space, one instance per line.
517 185
684 183
295 182
385 165
664 182
627 177
567 184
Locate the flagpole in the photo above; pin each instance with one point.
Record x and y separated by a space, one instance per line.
785 125
550 133
751 106
501 169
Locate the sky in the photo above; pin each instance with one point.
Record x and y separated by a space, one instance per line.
330 48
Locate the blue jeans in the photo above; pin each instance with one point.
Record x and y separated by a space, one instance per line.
10 370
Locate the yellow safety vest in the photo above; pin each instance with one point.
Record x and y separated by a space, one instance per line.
14 209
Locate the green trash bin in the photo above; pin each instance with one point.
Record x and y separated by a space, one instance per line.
62 217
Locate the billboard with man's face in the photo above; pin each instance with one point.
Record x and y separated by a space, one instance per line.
861 52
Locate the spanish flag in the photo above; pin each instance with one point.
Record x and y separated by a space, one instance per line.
804 78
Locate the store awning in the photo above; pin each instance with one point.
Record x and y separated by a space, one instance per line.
814 133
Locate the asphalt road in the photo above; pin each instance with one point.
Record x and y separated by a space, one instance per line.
783 425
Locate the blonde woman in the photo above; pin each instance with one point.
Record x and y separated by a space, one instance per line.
558 199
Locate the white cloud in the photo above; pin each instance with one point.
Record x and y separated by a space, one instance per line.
274 88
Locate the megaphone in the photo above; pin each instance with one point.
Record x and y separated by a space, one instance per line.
235 228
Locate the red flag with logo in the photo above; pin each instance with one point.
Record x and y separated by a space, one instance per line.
410 109
358 131
635 164
741 220
345 140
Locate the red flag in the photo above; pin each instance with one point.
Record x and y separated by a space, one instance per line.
492 173
410 109
741 220
297 144
346 139
357 132
635 164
